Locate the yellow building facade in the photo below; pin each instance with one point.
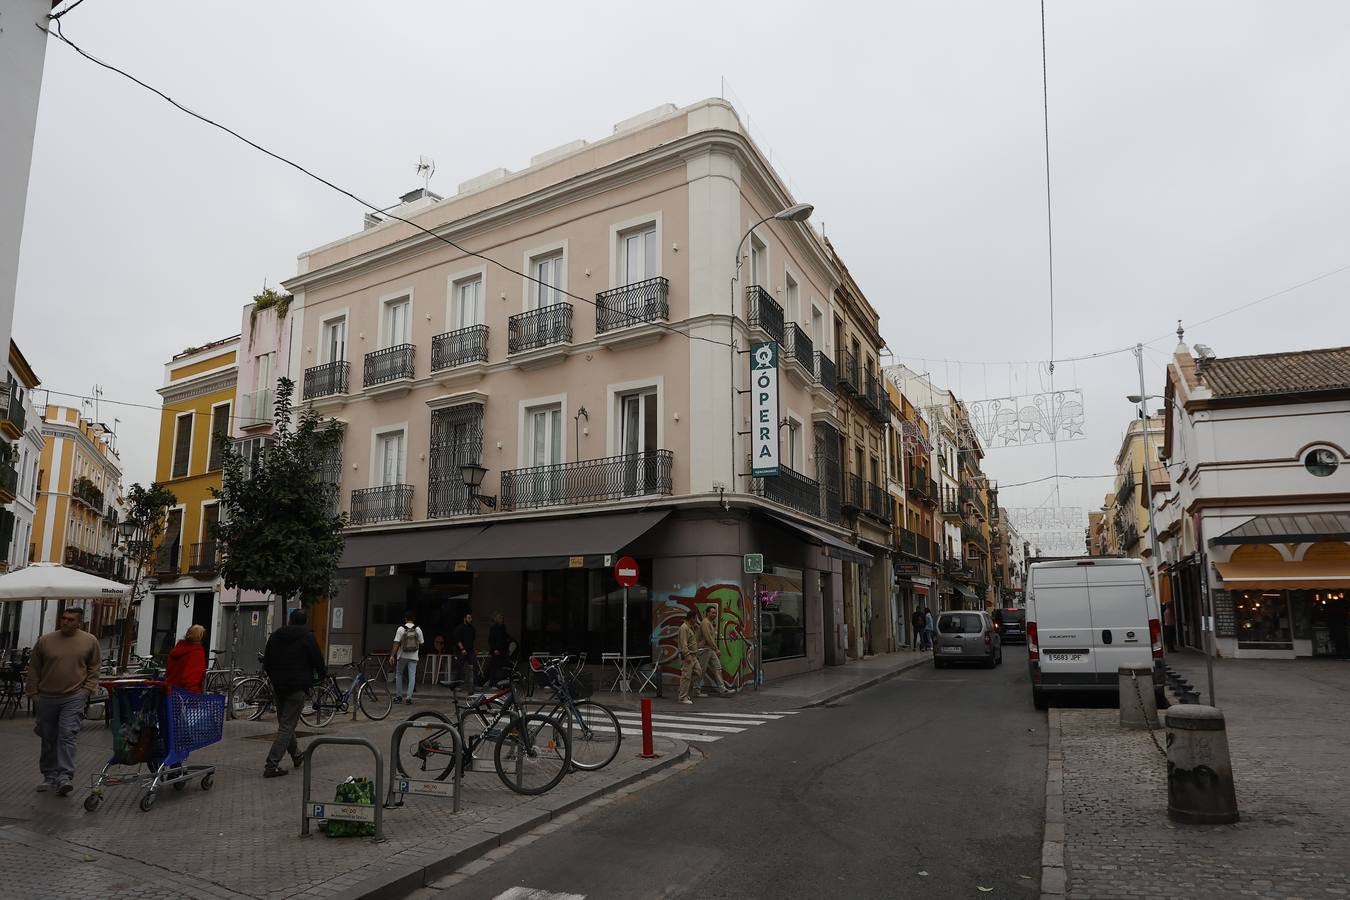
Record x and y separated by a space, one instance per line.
199 399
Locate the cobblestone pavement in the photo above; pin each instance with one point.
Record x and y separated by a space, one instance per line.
241 838
1288 729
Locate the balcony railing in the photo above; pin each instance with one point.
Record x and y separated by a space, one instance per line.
917 545
459 348
951 507
826 373
85 492
390 503
848 373
256 409
874 396
878 502
93 563
1126 489
588 481
853 492
792 489
974 536
202 559
11 408
539 328
970 495
389 364
920 486
797 346
9 480
762 311
167 557
327 380
632 304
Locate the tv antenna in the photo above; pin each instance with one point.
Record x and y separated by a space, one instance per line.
426 167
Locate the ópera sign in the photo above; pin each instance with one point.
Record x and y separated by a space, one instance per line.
764 408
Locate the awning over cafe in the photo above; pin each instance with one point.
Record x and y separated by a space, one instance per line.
577 542
968 593
394 548
834 547
1281 575
1295 529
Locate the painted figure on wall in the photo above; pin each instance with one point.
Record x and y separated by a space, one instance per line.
734 629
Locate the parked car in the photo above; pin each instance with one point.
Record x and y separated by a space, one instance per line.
964 636
1087 617
1012 625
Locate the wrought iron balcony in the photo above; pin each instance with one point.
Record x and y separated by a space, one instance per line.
848 373
255 409
971 535
951 507
632 304
459 348
878 502
327 380
167 557
13 418
9 482
853 492
389 503
792 489
390 364
919 485
762 311
907 539
539 328
202 559
93 563
826 373
86 493
797 347
588 481
972 496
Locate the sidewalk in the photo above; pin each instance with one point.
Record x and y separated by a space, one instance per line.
241 839
1288 729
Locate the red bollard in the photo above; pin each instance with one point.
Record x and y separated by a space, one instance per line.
647 751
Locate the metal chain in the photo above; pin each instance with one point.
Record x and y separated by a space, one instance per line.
1135 678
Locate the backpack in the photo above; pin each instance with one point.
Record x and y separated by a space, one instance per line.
410 641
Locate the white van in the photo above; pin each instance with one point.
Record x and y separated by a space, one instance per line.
1085 618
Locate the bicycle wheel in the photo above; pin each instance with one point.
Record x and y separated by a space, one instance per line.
532 754
479 728
375 700
252 696
426 752
594 735
320 707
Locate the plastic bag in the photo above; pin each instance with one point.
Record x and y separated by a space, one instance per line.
353 790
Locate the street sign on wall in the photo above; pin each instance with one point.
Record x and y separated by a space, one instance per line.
754 563
764 408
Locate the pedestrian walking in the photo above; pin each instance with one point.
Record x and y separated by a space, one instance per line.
62 673
929 628
407 649
916 622
294 665
709 658
466 638
499 649
687 645
186 669
1170 628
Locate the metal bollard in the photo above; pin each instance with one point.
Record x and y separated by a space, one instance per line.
343 812
1199 772
647 751
403 785
1138 705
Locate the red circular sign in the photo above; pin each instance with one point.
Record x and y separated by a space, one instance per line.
626 571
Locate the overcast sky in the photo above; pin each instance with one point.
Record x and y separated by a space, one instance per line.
1198 156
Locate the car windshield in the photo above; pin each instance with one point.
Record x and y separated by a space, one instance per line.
1014 615
960 623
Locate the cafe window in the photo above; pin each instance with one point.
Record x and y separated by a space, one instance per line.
581 610
782 614
1262 620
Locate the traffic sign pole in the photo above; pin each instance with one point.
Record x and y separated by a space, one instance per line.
626 574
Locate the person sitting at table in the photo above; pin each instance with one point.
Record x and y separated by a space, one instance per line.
186 668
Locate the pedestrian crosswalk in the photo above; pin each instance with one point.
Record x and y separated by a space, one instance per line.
701 727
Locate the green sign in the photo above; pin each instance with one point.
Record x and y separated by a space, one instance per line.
754 563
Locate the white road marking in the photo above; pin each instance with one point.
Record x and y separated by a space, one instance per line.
721 715
634 726
524 893
679 735
709 720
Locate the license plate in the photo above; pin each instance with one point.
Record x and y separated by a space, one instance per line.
951 649
1064 657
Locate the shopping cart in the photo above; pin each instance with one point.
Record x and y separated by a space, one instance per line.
157 728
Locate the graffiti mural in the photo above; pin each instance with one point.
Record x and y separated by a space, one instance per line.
734 628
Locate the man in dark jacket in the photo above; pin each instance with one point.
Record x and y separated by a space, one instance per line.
466 636
499 645
294 664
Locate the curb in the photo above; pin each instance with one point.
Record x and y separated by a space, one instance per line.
1054 867
871 682
401 880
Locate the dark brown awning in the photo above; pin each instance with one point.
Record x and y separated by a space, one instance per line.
581 541
392 548
833 546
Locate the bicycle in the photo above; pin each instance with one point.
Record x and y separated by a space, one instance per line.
592 728
218 678
328 699
531 751
252 696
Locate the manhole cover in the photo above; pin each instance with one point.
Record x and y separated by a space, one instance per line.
271 736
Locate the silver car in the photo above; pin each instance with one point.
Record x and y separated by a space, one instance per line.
966 636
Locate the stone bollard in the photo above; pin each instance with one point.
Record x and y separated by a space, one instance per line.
1199 773
1138 705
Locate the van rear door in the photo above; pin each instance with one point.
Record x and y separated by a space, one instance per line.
1120 613
1063 617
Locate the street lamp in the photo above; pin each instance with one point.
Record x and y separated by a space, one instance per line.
472 473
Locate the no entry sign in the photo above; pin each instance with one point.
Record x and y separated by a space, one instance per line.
626 571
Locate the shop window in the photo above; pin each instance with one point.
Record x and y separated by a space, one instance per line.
1262 620
782 614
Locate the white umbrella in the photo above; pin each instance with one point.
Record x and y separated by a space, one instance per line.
49 581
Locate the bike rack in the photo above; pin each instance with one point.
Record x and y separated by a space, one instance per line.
403 786
343 812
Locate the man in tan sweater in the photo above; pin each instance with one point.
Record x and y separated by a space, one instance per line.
686 647
62 672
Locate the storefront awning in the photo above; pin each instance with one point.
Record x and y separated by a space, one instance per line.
968 593
393 548
1297 529
834 547
1285 575
573 542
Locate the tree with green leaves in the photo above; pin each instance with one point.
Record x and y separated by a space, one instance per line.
279 530
146 511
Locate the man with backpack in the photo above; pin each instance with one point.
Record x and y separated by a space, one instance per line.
407 646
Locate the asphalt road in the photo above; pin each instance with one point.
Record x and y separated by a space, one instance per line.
929 785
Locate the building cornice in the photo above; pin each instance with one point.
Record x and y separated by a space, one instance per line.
73 433
200 386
